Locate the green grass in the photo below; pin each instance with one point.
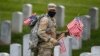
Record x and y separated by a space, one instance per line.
73 8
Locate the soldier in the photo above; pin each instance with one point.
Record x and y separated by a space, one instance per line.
47 32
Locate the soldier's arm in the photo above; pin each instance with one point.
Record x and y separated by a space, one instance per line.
42 31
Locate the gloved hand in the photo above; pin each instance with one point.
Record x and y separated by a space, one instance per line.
54 41
57 43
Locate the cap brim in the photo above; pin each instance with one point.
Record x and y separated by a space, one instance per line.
51 8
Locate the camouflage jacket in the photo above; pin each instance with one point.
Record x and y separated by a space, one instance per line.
46 30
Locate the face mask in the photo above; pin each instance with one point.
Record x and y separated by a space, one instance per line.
51 14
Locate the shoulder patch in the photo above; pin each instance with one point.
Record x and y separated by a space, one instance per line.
44 19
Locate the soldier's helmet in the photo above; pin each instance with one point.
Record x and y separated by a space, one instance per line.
52 6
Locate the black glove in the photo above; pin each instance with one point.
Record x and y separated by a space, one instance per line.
57 43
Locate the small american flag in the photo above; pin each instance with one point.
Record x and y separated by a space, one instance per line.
28 20
75 28
62 45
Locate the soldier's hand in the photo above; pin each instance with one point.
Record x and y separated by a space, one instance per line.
54 41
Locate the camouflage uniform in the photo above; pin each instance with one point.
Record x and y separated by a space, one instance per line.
46 31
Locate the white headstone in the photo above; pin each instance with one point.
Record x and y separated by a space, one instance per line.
86 54
5 33
27 10
67 41
26 50
95 55
4 54
95 50
60 15
76 42
17 22
86 29
57 50
15 50
94 13
0 25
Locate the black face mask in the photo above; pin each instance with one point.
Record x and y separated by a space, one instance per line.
51 14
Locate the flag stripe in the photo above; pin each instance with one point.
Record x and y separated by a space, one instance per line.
75 28
62 45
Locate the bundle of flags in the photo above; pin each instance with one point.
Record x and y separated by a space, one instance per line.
28 20
75 28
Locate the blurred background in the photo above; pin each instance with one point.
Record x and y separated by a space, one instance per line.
73 8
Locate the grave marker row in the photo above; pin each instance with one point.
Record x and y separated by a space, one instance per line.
15 49
60 15
17 17
5 34
95 51
17 22
4 54
94 14
65 49
26 50
87 28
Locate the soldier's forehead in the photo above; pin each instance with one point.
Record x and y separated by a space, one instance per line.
52 10
51 7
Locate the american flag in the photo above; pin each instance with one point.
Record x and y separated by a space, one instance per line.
28 20
62 45
75 28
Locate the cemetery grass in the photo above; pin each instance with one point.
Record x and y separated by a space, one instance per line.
72 9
